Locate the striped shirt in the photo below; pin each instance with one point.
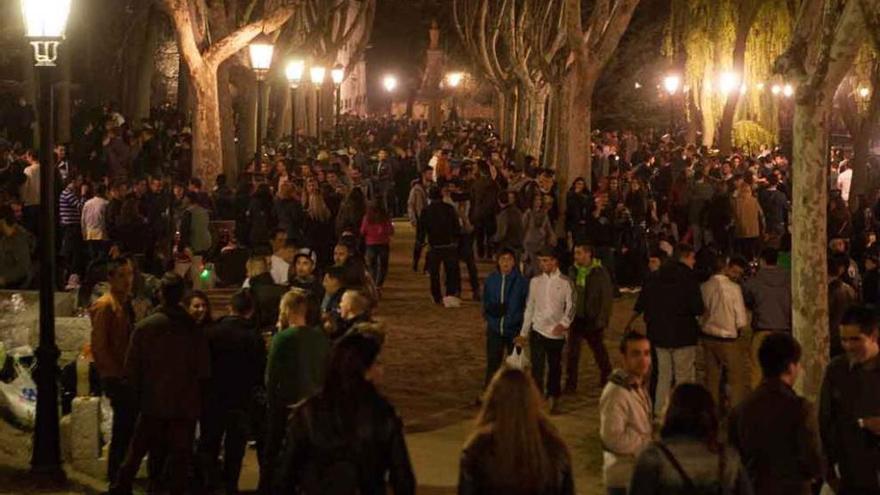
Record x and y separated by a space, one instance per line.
69 207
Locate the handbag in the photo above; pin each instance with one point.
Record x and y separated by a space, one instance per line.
689 485
517 359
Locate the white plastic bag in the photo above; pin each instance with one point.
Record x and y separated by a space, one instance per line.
517 359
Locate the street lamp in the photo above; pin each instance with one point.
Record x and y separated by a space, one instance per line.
776 89
337 75
317 72
454 79
728 82
787 91
294 72
45 23
671 83
864 92
261 49
390 83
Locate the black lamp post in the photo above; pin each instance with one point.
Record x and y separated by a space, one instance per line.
45 22
454 79
261 49
671 83
338 74
294 73
317 74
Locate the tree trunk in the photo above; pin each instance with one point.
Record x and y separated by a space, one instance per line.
184 91
576 158
809 284
550 149
227 123
530 122
207 151
146 67
725 127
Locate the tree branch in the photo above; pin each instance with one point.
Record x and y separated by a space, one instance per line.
238 39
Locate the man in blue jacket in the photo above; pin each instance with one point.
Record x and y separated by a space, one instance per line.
504 303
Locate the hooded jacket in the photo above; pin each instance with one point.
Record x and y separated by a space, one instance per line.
625 427
671 302
768 295
504 302
593 298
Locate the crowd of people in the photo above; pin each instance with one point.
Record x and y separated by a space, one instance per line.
305 239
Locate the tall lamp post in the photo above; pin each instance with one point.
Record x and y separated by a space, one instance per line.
671 83
294 73
45 23
453 79
390 84
261 49
338 74
317 74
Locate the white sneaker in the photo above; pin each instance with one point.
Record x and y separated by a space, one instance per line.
451 302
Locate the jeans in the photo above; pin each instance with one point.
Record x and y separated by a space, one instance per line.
72 249
377 262
674 366
175 436
124 418
729 358
594 337
448 256
484 231
231 427
497 348
276 426
549 350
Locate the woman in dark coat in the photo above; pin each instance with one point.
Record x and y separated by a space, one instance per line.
578 206
261 217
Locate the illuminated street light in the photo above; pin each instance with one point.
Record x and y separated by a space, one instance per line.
337 74
759 86
261 49
864 92
671 83
317 74
454 79
389 83
776 89
294 72
638 85
787 90
728 82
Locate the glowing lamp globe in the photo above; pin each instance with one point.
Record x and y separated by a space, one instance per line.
45 22
294 71
337 74
728 82
454 79
261 49
671 83
317 75
389 83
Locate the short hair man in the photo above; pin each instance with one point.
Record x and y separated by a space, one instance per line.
768 295
849 407
625 419
773 428
504 301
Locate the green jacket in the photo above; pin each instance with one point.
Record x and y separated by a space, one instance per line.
594 296
295 368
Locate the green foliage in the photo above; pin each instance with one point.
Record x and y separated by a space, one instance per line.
750 135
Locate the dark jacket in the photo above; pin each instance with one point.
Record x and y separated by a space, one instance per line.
768 295
238 361
167 364
485 193
267 297
777 436
320 457
510 230
654 474
578 208
841 296
291 217
774 204
439 225
849 393
671 302
594 298
504 302
295 368
474 478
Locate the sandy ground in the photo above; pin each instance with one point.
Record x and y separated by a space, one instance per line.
434 361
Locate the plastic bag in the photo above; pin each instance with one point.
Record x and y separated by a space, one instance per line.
517 359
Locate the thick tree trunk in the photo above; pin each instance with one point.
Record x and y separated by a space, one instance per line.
207 149
809 285
530 122
146 67
184 91
576 157
246 108
550 154
725 127
227 123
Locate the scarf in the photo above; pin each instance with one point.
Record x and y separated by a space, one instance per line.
584 271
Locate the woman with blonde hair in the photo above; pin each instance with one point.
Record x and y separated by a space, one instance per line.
515 449
318 227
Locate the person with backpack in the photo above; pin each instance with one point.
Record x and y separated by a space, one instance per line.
689 458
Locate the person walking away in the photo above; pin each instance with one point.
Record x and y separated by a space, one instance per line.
515 448
774 429
689 458
775 206
377 229
722 335
168 365
347 437
294 370
849 407
549 313
504 301
625 419
462 203
238 361
594 296
318 229
747 218
671 301
485 192
439 227
578 208
699 195
768 295
509 222
415 204
112 318
537 235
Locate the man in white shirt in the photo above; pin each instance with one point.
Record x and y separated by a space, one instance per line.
844 179
722 324
30 192
549 313
94 223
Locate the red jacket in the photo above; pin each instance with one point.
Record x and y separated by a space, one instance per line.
376 234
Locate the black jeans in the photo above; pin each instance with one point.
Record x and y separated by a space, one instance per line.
174 436
580 330
124 418
497 349
549 350
276 427
377 262
448 256
484 231
72 249
231 427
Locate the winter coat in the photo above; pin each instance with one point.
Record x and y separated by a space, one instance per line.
417 201
777 436
671 302
485 193
654 474
504 302
168 364
291 217
510 229
238 361
439 225
578 208
699 195
295 368
537 230
195 229
746 216
625 427
774 204
474 477
593 299
322 458
768 295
